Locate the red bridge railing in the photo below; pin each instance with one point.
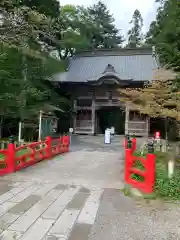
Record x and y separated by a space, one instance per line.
145 172
14 159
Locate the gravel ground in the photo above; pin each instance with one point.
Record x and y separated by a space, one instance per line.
122 218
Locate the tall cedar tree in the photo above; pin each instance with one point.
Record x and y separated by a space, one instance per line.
162 97
135 35
106 35
47 7
165 33
24 63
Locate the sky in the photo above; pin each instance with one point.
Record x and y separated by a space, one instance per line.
123 11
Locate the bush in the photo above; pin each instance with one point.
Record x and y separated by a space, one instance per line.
165 187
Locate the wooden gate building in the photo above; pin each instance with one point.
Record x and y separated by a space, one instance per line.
94 79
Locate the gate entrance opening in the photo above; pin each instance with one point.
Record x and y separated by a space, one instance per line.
108 117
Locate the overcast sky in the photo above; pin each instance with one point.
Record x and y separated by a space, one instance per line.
123 10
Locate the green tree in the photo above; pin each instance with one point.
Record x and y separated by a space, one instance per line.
25 64
165 33
75 28
104 34
10 77
86 28
135 35
162 97
47 7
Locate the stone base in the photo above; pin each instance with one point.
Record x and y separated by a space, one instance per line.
135 193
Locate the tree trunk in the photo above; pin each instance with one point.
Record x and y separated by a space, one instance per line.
1 125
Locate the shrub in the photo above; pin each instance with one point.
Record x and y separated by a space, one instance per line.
165 187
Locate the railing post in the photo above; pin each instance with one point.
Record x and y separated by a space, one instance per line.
65 143
128 159
49 147
134 144
129 142
62 143
68 143
11 156
59 145
150 168
126 137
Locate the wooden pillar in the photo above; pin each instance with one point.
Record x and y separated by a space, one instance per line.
93 111
147 126
75 115
126 118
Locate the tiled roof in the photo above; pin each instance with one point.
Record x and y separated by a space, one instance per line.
137 66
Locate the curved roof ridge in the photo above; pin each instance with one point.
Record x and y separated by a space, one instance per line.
114 51
109 68
110 74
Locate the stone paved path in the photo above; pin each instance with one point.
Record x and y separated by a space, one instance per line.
76 197
59 199
31 210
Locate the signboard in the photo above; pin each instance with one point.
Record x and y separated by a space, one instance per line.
71 130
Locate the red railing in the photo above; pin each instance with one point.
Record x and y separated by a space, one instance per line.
147 171
14 159
4 154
